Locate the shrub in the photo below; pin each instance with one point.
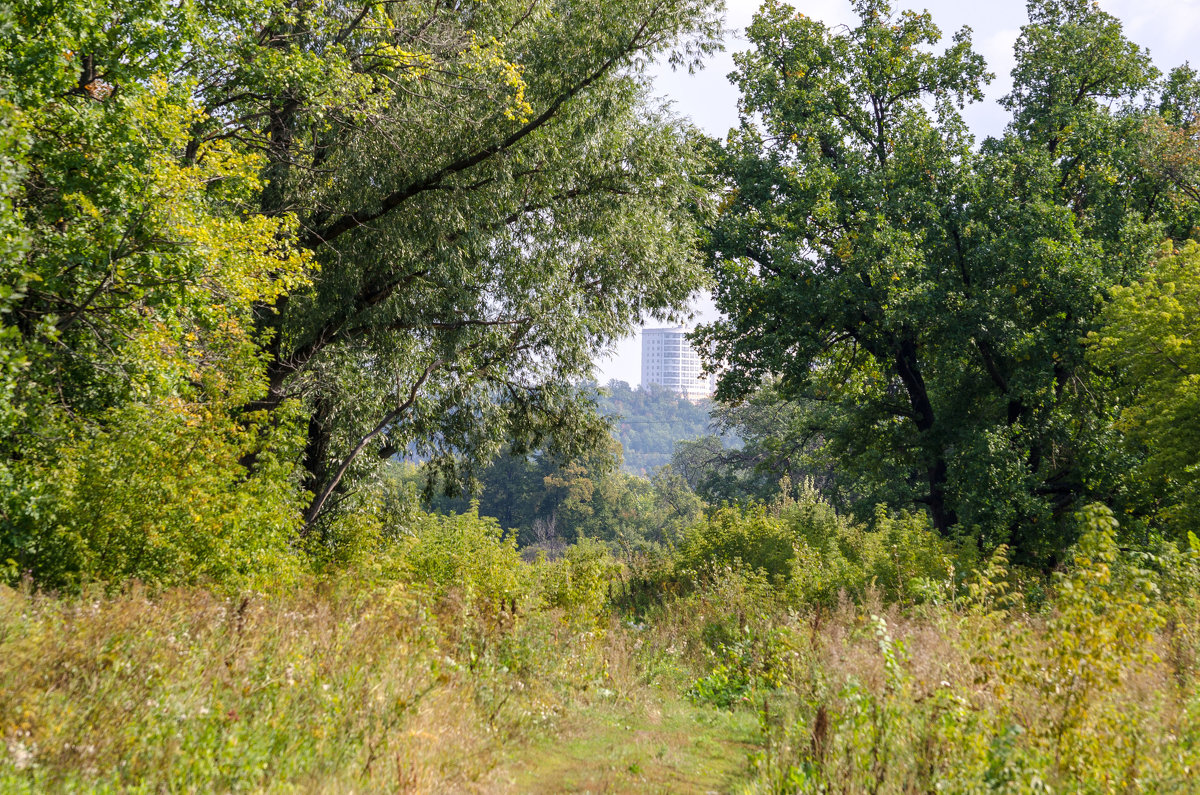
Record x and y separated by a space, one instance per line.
746 665
578 581
899 556
465 552
159 493
812 555
989 698
735 537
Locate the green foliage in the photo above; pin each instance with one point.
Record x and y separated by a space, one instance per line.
576 580
1103 630
128 300
985 697
649 421
928 296
552 500
161 496
1148 342
137 467
749 666
383 509
14 359
470 560
899 557
579 581
246 256
450 654
548 499
732 537
471 264
813 556
777 440
1179 582
463 553
237 212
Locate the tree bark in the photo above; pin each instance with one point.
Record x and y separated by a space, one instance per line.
907 367
324 485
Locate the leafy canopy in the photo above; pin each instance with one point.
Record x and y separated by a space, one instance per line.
930 293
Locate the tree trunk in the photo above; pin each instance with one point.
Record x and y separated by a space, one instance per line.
316 449
909 371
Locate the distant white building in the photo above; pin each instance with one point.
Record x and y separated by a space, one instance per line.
669 359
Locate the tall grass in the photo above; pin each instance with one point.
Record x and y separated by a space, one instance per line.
873 660
1093 691
411 681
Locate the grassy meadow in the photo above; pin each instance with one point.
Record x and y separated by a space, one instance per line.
718 666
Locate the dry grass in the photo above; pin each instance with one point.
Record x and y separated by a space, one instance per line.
374 685
327 689
960 699
342 689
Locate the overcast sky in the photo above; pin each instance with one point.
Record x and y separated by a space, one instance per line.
1169 28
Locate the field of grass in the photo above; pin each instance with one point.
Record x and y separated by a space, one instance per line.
340 690
380 680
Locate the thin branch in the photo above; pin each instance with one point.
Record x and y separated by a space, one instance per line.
318 502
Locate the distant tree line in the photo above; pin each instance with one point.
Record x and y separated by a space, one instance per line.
649 421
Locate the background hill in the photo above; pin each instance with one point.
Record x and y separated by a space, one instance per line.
648 421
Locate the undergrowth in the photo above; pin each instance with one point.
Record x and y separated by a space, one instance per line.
872 658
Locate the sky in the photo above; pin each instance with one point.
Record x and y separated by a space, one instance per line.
1170 29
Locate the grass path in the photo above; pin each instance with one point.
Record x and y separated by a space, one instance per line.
660 744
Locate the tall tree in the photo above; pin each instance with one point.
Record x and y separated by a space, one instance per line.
128 339
387 225
869 255
482 190
1149 341
489 197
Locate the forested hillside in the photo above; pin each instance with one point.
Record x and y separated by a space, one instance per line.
938 532
649 421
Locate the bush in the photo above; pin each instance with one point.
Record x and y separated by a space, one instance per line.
985 697
159 493
812 555
463 552
900 557
578 582
733 537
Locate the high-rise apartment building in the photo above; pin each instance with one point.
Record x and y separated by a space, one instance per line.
669 359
